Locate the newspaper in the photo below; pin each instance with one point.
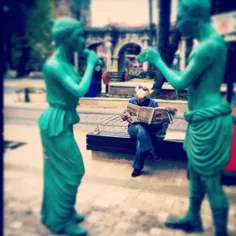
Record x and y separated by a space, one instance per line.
148 115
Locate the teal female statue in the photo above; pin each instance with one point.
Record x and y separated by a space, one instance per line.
63 163
209 134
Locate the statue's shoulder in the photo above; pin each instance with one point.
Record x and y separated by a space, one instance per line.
215 45
217 42
51 64
211 48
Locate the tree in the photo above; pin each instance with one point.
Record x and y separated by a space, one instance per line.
81 11
38 34
29 33
219 6
168 41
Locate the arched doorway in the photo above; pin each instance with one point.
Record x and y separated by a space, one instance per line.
97 47
127 57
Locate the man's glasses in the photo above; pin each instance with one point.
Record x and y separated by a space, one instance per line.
144 88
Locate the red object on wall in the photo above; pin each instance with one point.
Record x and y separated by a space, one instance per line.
231 166
106 77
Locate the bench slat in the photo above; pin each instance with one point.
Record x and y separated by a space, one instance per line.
110 134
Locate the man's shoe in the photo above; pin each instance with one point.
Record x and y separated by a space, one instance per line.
185 225
152 154
155 158
136 173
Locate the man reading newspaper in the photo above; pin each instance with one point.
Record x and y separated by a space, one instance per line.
141 131
148 115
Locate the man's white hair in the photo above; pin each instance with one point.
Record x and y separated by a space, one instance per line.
141 93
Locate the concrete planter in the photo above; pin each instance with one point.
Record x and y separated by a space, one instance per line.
39 96
122 103
36 75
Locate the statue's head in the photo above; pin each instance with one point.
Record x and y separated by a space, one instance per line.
191 14
70 32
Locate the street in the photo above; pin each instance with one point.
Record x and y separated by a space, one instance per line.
107 121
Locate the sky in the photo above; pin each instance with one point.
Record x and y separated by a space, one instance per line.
131 12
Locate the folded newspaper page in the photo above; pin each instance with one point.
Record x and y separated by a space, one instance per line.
148 115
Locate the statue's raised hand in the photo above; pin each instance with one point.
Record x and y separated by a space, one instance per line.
149 55
92 58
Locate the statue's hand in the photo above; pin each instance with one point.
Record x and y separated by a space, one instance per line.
149 55
92 58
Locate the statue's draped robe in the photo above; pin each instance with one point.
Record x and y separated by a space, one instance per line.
63 163
208 138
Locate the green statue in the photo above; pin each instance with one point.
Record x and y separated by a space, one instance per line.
209 134
63 163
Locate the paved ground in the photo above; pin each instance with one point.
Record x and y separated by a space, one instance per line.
113 202
105 119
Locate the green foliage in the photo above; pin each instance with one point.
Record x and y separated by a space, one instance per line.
38 25
29 26
162 94
39 33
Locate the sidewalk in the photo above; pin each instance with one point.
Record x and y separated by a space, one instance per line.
113 202
40 83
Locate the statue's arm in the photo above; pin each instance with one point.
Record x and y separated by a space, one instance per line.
78 90
177 72
201 60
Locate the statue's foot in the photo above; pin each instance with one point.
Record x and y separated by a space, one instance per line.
185 225
79 218
75 231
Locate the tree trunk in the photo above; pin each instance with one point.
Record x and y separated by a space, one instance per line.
22 69
168 42
163 27
219 6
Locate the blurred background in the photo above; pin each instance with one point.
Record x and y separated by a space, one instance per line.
117 30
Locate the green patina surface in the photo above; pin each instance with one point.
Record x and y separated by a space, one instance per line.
63 163
209 135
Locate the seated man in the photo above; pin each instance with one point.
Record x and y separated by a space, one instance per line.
141 131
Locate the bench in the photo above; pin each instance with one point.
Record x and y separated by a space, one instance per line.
114 144
120 142
117 76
